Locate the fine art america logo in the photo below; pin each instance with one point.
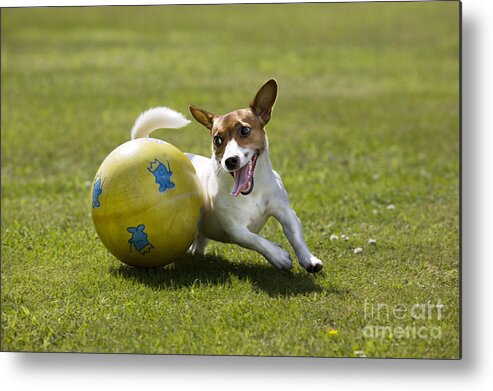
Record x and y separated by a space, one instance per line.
418 321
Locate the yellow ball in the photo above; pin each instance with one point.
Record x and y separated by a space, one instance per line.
146 202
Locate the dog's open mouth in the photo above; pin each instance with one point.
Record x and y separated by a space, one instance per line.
243 177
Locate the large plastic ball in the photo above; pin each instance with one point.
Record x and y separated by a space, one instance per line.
146 202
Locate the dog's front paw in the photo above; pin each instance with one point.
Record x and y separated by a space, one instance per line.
312 265
281 259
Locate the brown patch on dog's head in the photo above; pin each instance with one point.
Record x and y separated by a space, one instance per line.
241 125
246 126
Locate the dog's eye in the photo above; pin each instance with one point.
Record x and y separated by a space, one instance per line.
218 141
245 131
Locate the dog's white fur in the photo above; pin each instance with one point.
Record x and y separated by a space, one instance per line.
238 219
157 118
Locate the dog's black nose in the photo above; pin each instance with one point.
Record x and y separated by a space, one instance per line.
231 162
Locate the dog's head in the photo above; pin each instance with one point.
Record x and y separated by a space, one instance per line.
238 137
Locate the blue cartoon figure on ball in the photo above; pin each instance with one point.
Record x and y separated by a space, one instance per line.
139 239
162 175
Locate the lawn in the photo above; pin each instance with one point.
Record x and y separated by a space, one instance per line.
365 134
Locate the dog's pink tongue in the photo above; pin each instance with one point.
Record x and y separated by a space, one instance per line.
241 180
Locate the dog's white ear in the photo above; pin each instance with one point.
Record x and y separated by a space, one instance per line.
202 116
264 101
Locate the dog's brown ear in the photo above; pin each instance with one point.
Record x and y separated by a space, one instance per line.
264 101
202 116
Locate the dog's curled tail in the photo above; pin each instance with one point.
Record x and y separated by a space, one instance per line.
157 118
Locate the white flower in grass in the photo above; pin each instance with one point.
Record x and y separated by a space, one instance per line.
391 207
358 250
334 237
372 241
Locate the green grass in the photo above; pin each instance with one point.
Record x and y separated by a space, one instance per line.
367 116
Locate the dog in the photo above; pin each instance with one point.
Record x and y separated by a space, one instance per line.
241 190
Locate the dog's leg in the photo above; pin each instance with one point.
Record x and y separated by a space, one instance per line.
291 226
277 256
198 245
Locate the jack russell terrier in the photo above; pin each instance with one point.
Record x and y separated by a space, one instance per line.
240 161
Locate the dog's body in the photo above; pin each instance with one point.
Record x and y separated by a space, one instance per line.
240 160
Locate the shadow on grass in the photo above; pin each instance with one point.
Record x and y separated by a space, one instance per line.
192 270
